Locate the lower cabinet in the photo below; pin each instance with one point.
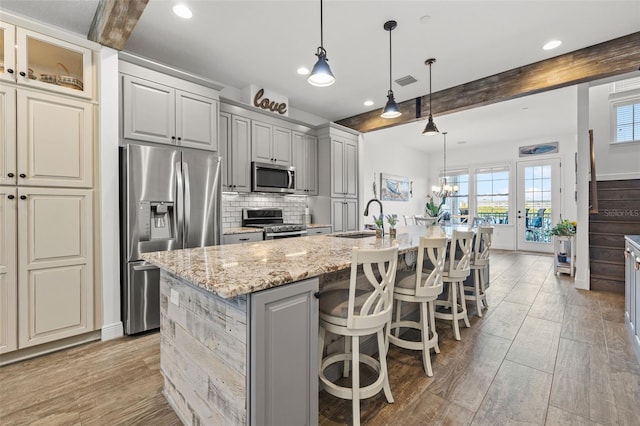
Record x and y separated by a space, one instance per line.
47 289
284 342
319 230
632 294
344 215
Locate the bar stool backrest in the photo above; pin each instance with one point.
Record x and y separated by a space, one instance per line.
436 249
375 311
482 246
459 266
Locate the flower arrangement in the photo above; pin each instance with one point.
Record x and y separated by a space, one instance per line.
392 219
564 228
433 208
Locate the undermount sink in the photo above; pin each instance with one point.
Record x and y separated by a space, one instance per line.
355 234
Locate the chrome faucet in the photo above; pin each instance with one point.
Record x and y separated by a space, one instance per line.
366 210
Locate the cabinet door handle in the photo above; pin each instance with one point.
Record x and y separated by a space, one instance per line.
11 197
179 138
23 74
10 174
316 295
9 70
22 175
243 239
23 197
173 138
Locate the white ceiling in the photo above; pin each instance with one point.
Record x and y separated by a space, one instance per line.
243 42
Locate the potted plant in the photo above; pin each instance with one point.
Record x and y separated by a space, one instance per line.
379 221
433 208
565 228
393 220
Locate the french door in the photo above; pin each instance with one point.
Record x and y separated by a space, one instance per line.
538 203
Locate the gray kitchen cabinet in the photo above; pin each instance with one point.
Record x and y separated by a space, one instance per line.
284 342
235 150
245 237
344 215
305 160
270 144
632 291
344 167
154 112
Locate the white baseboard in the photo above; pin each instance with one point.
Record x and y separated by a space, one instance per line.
112 331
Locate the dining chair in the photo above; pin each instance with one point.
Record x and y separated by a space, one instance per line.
425 220
459 218
409 220
359 307
456 270
422 287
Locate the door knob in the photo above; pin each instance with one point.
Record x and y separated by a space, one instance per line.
10 174
23 197
11 197
23 74
10 71
22 175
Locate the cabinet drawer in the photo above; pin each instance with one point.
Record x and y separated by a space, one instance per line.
242 238
319 230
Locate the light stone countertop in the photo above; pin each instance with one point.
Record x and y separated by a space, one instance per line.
237 269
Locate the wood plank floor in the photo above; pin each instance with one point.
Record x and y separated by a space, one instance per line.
544 353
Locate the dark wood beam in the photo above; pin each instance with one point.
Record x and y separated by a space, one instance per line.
610 58
114 21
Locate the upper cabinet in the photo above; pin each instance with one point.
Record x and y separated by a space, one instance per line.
344 167
305 160
270 144
155 112
235 149
36 60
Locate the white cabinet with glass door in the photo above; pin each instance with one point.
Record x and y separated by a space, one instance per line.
538 203
37 60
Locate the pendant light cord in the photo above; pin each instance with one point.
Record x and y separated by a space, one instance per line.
390 59
321 35
430 93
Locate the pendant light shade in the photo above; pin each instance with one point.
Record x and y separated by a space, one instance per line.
431 128
321 74
391 109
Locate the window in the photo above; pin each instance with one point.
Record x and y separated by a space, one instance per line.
492 194
459 203
627 121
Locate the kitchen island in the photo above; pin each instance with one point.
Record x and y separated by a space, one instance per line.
239 325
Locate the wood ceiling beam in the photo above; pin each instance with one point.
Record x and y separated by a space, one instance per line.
114 21
610 58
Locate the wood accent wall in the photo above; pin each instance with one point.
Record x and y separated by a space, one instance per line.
618 215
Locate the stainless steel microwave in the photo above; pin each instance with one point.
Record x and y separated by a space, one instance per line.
267 177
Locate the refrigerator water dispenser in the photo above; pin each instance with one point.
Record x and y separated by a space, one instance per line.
155 220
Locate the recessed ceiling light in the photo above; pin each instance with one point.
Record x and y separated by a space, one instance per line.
368 103
182 11
303 70
552 44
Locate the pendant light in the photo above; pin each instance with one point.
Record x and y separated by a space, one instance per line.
444 190
391 109
431 128
321 74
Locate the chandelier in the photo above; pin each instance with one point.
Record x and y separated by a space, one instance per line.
444 190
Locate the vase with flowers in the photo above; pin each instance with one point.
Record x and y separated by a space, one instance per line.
392 219
434 206
379 221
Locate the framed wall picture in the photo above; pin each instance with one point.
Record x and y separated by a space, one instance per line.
543 148
394 188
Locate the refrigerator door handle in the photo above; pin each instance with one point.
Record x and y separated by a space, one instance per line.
187 201
179 217
144 267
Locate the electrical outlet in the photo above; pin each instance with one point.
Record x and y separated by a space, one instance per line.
175 297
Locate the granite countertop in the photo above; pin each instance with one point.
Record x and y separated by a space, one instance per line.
240 230
634 239
237 269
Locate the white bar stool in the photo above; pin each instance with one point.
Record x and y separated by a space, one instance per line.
353 312
456 270
480 262
423 287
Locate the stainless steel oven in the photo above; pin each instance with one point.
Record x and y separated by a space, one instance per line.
271 221
267 177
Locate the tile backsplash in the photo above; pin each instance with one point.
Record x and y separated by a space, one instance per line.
232 205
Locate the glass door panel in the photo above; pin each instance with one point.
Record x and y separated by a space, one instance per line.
538 203
7 52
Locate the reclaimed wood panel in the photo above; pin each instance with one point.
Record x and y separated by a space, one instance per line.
114 22
618 215
613 57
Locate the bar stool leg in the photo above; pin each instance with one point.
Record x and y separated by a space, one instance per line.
383 367
463 304
432 323
398 316
453 289
355 380
347 349
476 287
426 354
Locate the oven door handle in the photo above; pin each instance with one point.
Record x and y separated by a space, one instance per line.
286 234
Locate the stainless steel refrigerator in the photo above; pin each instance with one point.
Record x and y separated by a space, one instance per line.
170 199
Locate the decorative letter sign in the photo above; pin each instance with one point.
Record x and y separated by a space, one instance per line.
268 100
